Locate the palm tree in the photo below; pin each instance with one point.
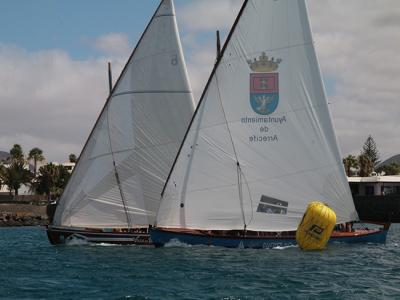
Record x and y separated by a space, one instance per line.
51 180
2 172
349 162
366 165
37 155
16 153
15 175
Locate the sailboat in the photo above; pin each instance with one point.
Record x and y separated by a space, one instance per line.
261 145
113 193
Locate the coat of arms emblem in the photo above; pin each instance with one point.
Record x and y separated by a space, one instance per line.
264 84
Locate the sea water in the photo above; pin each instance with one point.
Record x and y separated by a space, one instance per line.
31 268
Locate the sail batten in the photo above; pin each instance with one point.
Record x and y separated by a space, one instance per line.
127 157
261 144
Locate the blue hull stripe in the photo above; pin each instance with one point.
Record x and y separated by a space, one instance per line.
161 237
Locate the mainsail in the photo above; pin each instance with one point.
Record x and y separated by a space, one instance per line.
124 164
261 145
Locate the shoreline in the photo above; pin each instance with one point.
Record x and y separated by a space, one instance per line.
16 215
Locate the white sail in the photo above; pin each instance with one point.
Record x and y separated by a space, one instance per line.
139 130
261 145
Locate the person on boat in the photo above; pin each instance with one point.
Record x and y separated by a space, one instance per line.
349 227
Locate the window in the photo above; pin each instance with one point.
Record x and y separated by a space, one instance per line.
388 190
354 188
369 190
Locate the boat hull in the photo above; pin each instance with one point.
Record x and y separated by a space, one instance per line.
63 235
160 237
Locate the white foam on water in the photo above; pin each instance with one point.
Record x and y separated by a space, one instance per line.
284 247
106 245
76 240
176 243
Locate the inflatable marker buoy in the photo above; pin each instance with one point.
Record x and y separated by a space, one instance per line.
316 227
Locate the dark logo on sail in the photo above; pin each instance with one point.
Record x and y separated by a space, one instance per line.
264 84
271 205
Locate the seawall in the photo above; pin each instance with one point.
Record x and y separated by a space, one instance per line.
22 215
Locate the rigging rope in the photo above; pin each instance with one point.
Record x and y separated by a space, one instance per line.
238 169
116 170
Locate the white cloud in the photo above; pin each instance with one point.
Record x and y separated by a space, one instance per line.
112 44
358 45
199 65
49 100
208 14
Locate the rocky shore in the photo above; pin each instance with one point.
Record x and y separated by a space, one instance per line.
22 215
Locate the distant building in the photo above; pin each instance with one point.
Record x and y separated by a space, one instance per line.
39 164
68 165
23 190
374 185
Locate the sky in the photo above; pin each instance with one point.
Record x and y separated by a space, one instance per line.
54 54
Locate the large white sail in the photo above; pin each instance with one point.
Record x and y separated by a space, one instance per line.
124 164
261 145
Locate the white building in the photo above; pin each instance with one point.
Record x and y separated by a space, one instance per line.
68 165
375 185
23 190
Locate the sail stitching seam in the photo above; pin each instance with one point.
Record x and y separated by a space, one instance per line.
270 178
266 50
151 92
129 149
164 15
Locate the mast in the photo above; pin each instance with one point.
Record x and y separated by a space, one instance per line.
109 77
218 45
117 178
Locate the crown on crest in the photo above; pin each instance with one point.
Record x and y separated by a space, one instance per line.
264 64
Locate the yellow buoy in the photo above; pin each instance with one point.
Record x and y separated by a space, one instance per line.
316 227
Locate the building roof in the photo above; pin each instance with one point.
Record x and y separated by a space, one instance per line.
395 178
